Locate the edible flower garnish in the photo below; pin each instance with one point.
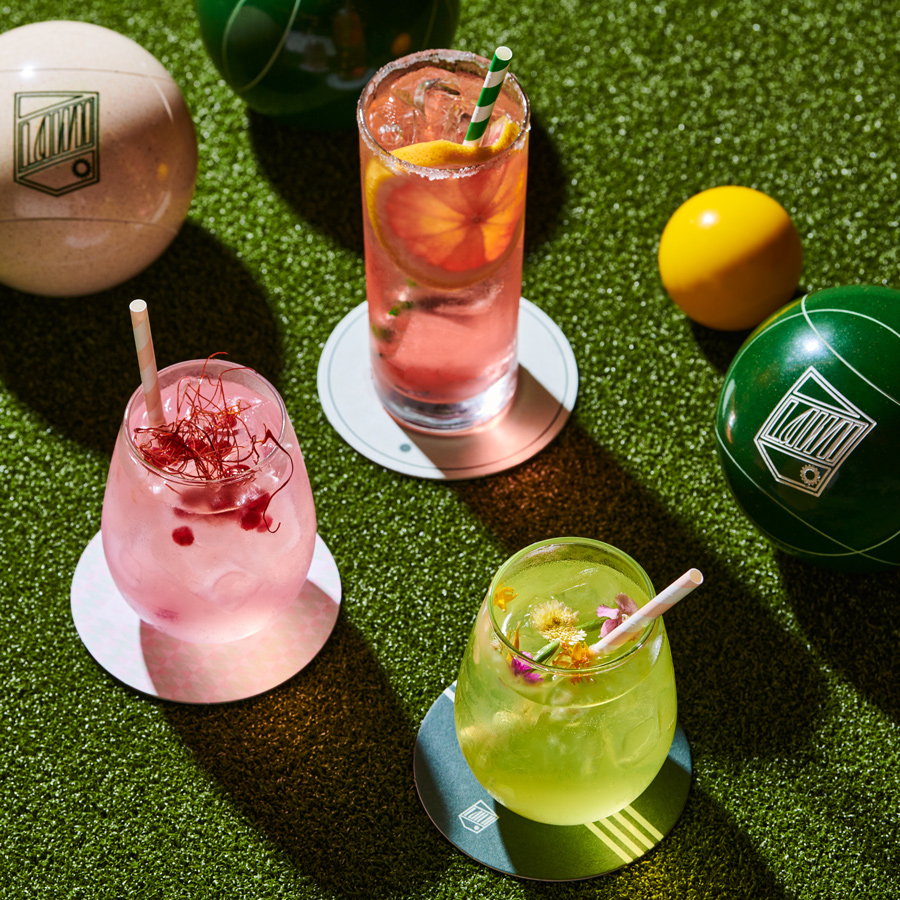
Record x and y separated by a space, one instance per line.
555 621
576 656
624 608
567 647
502 596
519 667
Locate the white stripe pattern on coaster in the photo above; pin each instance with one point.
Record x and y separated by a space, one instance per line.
655 833
625 838
625 857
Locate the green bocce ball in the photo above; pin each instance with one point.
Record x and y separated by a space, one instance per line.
808 427
305 62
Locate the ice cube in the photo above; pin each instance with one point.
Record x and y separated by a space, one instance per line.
638 741
576 596
422 105
442 109
463 308
394 123
233 589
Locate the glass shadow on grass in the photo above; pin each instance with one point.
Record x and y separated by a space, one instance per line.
322 766
724 663
706 855
72 360
317 173
851 620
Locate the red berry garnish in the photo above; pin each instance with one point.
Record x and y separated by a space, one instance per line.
266 524
252 513
183 536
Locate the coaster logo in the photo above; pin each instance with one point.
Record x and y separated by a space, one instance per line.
478 817
810 433
56 140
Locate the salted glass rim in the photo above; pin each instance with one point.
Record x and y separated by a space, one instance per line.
439 56
223 367
605 663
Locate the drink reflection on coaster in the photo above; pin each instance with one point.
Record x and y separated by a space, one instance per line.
208 518
444 215
565 704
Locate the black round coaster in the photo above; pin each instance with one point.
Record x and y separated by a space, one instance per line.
502 840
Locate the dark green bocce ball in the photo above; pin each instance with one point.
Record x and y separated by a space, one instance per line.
808 428
305 62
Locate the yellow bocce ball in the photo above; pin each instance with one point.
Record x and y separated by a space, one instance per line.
729 257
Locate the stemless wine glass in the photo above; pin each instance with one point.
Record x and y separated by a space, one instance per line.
551 730
208 523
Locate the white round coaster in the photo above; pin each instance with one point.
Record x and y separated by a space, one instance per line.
545 397
149 661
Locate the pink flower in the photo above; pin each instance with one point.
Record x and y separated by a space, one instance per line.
522 668
624 608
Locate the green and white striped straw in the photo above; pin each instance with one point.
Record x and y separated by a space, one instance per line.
489 92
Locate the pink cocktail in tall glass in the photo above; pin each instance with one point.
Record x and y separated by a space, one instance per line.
443 229
208 523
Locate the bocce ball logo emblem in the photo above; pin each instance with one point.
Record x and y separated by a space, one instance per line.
810 433
56 140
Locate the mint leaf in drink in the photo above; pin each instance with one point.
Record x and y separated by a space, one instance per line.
399 307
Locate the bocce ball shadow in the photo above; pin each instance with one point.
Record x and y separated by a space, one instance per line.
867 654
317 174
721 347
728 665
322 767
73 363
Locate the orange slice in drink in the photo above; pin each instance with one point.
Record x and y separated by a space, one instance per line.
448 232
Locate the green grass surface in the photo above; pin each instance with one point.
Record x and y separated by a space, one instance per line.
787 674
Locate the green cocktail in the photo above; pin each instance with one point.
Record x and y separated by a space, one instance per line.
551 729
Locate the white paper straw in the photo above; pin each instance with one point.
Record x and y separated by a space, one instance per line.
143 343
664 600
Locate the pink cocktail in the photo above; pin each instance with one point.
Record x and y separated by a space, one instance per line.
443 229
209 524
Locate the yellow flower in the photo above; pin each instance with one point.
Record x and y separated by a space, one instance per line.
554 620
577 656
502 596
581 656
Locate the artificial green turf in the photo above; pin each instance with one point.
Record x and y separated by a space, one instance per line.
787 673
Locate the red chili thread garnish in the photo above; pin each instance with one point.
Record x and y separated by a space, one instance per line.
210 441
